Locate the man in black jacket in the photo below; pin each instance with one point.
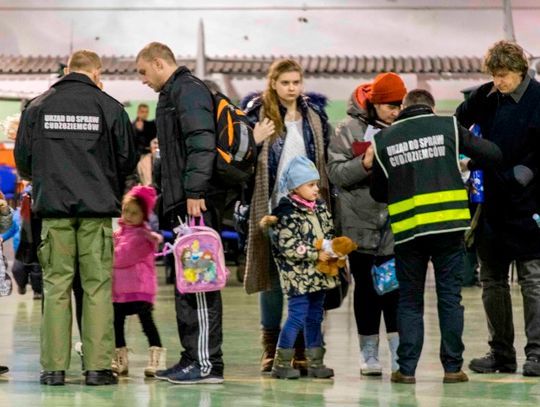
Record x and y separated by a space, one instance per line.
75 143
417 173
187 141
507 110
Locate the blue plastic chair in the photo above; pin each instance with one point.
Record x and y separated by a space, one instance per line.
8 182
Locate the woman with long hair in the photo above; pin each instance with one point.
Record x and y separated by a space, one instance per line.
287 123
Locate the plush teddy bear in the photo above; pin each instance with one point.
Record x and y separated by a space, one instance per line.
267 221
339 248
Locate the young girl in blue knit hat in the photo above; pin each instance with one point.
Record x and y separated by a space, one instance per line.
298 221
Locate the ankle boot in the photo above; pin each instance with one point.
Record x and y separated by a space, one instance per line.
282 368
299 360
369 347
393 343
120 361
156 360
269 339
316 367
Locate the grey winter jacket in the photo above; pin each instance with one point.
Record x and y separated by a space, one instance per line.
359 216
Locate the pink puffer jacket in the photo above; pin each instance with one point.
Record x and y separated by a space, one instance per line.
134 270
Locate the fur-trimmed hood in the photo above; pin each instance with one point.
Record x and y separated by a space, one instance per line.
317 101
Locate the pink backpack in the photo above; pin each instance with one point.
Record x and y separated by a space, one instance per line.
199 259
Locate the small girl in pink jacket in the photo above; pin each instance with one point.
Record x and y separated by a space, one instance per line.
134 277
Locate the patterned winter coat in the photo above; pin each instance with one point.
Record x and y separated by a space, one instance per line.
293 239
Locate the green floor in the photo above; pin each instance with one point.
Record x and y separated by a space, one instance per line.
244 386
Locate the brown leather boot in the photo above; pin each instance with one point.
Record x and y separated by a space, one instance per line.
299 360
269 338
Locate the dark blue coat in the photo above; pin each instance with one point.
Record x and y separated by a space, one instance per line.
515 127
252 105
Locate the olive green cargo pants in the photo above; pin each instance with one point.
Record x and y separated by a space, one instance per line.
65 242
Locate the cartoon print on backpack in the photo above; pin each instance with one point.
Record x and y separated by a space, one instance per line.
199 266
199 258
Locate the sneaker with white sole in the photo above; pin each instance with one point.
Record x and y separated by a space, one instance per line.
192 375
174 369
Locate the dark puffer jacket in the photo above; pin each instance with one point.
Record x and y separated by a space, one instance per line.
187 141
293 240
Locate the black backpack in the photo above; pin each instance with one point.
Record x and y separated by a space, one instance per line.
236 147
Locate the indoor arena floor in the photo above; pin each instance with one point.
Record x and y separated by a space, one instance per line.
244 385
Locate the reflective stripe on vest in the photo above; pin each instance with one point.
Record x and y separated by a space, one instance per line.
429 218
420 219
428 199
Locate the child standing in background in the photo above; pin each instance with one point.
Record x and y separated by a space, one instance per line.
134 277
6 217
301 219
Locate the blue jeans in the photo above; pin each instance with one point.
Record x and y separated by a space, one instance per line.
446 251
304 312
271 302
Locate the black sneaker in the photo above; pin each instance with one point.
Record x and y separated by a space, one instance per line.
100 378
52 378
532 366
490 363
164 374
192 374
4 369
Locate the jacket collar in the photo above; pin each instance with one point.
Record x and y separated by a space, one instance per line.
414 110
287 201
181 70
306 100
518 93
76 77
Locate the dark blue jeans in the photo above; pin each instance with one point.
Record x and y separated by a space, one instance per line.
304 312
271 302
446 251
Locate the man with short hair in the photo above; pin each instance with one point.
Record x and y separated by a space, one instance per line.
145 130
507 110
187 141
75 143
417 173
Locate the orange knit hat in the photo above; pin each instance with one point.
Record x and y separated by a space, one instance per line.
387 88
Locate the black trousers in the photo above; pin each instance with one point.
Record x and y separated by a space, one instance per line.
494 274
28 272
144 311
199 321
368 305
78 294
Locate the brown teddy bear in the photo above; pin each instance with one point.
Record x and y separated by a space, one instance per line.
339 248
